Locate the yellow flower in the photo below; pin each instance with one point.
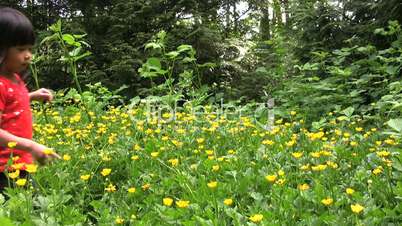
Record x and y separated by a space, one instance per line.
110 188
256 218
154 154
267 142
11 144
349 191
281 181
359 129
357 208
212 184
293 113
297 154
303 187
14 174
137 147
328 201
21 182
119 220
305 167
131 190
135 157
377 170
174 162
85 177
290 143
270 178
146 186
31 168
106 171
281 172
228 202
182 203
383 153
48 151
66 157
319 167
215 168
167 201
200 140
15 158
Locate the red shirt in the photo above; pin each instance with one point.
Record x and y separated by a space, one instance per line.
16 117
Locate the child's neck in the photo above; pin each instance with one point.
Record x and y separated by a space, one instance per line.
6 73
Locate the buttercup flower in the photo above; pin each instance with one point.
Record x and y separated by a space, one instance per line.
11 144
356 208
271 178
182 203
167 201
328 201
31 168
85 177
66 157
106 171
303 187
228 202
21 182
119 220
212 184
349 191
256 218
14 174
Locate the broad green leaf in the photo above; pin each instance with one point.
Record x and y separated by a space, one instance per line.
348 111
154 64
183 48
69 39
395 124
4 221
153 45
172 54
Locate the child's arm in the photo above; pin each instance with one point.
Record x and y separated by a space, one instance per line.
28 145
41 95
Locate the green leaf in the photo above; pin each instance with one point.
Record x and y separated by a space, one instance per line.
87 53
49 38
154 63
395 124
75 52
183 48
172 54
348 111
4 221
153 45
69 39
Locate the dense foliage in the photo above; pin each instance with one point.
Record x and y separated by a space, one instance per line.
215 112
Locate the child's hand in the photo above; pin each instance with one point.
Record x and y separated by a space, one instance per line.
41 95
41 153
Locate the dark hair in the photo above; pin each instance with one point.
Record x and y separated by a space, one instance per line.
15 29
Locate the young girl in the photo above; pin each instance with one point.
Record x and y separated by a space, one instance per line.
16 41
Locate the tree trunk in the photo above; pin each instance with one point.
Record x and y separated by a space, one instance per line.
277 13
265 27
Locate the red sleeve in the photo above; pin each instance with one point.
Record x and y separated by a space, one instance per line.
2 96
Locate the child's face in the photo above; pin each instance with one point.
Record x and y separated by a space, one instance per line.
17 58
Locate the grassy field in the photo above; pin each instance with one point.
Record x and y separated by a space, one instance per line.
128 166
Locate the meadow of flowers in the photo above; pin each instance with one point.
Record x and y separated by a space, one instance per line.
127 166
